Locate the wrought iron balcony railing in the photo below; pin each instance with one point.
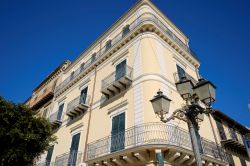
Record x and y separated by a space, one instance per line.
78 106
69 159
233 140
117 81
180 76
146 17
151 134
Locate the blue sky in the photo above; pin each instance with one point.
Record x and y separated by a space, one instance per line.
36 36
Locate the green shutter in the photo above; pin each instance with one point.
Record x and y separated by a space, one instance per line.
118 132
74 150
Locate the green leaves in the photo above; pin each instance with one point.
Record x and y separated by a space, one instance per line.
23 137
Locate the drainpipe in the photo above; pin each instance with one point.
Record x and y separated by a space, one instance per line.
89 118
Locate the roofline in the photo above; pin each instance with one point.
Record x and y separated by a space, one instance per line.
229 120
116 23
51 74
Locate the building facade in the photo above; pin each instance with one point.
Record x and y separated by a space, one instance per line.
101 111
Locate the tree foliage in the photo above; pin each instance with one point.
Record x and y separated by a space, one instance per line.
23 136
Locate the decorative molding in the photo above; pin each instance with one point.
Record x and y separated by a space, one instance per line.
84 83
118 106
77 127
120 57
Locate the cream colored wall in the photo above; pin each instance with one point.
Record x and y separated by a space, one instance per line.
154 64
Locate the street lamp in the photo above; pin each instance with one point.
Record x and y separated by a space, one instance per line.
192 112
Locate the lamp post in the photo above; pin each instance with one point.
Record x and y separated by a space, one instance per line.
192 112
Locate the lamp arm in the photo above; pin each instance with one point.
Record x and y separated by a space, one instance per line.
179 114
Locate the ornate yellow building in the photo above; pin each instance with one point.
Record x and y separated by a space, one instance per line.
100 107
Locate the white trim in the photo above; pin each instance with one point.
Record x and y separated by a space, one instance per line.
76 129
120 58
119 111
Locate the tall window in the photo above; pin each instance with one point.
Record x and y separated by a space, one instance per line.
60 111
82 66
49 155
220 129
45 112
108 45
181 72
243 162
74 150
118 132
232 133
125 30
83 96
93 57
120 70
72 75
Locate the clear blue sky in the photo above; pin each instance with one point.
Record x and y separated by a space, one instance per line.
36 36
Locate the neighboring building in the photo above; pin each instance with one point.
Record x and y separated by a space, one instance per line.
231 135
41 99
101 110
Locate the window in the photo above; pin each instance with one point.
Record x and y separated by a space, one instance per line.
82 66
49 155
120 70
220 129
83 96
125 30
231 160
232 133
45 112
118 132
72 75
74 150
108 45
60 111
243 162
93 57
181 72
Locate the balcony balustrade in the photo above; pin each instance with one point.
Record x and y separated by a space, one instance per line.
233 141
153 135
43 98
146 17
78 106
117 81
45 164
69 159
180 76
56 119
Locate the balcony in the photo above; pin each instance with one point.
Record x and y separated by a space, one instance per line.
69 159
47 95
78 106
133 26
117 82
179 76
233 141
138 144
56 119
